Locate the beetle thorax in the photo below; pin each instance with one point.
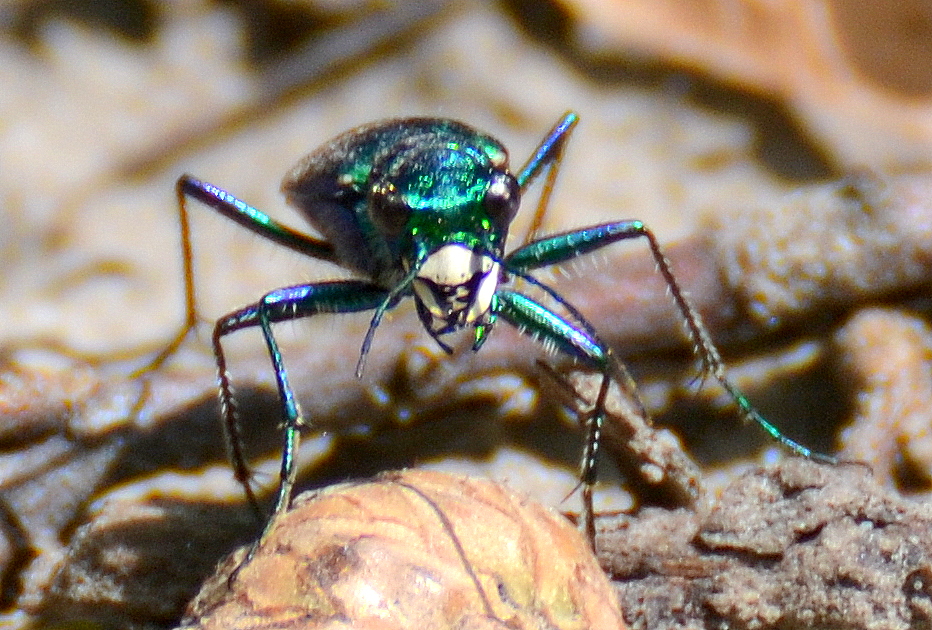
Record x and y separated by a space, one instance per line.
455 286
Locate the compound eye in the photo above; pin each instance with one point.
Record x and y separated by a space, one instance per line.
502 198
389 210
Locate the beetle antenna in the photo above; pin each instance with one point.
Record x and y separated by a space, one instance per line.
390 300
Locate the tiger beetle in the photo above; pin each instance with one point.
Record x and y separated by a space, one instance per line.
420 207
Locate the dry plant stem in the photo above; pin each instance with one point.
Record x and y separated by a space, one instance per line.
830 247
886 354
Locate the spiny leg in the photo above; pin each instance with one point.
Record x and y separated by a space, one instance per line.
188 187
620 371
562 247
590 457
229 416
190 303
283 304
251 218
579 342
549 154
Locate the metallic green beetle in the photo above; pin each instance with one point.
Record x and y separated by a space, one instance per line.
421 207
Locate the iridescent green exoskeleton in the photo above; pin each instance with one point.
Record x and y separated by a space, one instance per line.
420 208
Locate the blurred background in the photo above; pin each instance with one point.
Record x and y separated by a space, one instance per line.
779 149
